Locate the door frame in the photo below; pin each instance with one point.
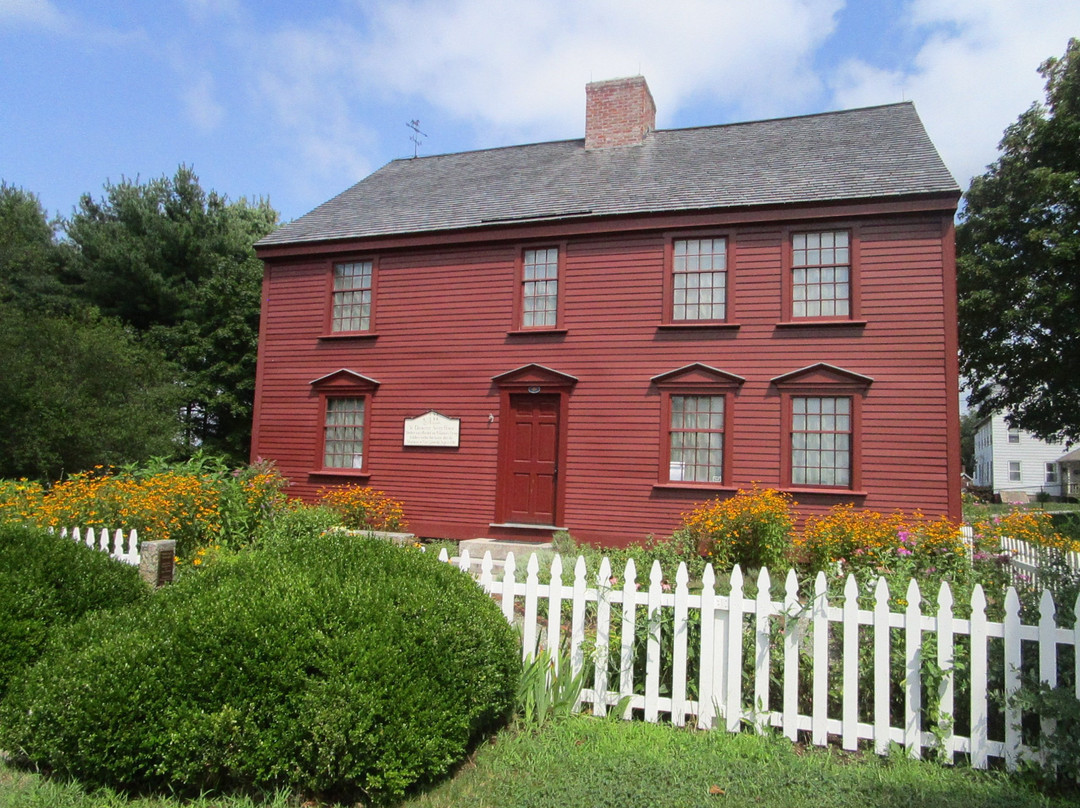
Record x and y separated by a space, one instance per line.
530 379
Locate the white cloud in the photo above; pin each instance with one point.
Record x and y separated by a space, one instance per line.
974 74
523 66
200 102
32 12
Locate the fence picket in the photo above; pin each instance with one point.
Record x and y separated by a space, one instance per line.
820 616
679 647
604 584
792 636
762 613
577 621
554 617
913 682
1012 677
706 694
532 595
945 660
979 747
626 635
733 653
882 684
509 585
850 710
1047 655
652 648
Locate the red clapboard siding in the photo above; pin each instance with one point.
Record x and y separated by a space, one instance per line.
444 323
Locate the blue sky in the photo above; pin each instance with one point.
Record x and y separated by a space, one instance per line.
298 101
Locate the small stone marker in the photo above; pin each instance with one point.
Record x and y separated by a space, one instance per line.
156 561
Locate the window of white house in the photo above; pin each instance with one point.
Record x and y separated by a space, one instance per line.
1051 473
343 433
821 274
697 439
540 288
1014 471
352 296
699 279
821 440
1014 434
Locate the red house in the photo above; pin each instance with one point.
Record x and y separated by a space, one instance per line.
599 334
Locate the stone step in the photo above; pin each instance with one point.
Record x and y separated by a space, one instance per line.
499 550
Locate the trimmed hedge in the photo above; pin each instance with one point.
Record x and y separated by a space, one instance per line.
337 666
47 581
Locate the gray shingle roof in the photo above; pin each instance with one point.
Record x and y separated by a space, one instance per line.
871 153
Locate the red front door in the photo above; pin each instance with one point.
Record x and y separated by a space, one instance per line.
531 459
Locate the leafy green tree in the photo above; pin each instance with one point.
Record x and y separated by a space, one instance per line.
176 263
79 390
1018 247
34 263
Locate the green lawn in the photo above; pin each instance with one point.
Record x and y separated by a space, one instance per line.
590 762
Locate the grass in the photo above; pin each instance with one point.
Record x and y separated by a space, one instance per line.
584 761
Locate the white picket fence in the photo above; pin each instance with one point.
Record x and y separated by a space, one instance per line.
1027 560
811 630
116 546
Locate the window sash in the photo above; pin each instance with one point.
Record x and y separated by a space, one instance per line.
343 433
821 274
699 279
1051 473
352 296
696 439
1015 475
540 288
821 437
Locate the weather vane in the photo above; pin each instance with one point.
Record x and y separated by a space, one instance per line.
415 137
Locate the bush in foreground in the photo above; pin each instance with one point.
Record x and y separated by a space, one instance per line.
334 665
48 581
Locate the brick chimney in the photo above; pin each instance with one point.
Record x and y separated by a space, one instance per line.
618 112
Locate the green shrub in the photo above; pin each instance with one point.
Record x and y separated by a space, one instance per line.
47 581
333 665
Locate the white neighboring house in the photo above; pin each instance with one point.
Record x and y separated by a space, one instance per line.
1012 461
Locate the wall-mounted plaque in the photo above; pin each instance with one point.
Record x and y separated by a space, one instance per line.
433 429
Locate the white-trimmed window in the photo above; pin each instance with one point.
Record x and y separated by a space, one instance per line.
821 274
1051 474
1014 471
351 308
1014 434
821 432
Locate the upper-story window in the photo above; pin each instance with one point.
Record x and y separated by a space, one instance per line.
352 296
540 288
699 279
821 277
1014 434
